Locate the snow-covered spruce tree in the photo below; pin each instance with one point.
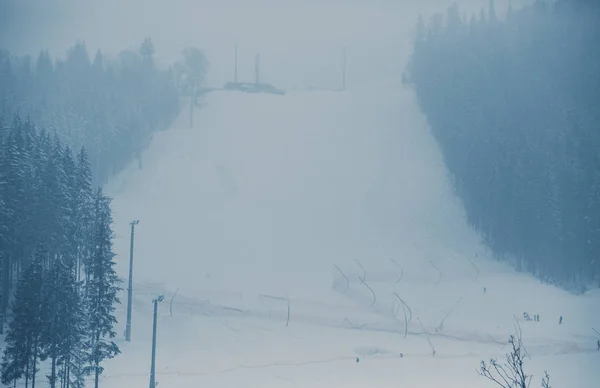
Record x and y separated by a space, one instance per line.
22 343
73 362
3 227
14 163
18 190
69 168
52 311
84 213
62 313
101 289
73 354
4 214
55 209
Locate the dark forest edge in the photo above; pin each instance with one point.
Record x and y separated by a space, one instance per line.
513 104
56 251
58 285
110 106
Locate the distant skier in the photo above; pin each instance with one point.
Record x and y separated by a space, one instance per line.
560 320
598 344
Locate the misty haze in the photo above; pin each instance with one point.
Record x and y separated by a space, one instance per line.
262 193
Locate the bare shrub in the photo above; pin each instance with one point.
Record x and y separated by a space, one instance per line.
511 374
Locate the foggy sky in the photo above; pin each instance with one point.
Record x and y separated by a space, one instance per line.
300 42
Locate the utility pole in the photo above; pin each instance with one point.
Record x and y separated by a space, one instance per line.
153 364
344 69
130 290
192 103
256 69
235 66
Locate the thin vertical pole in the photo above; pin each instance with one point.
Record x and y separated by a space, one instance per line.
130 288
152 366
192 102
235 67
256 68
344 69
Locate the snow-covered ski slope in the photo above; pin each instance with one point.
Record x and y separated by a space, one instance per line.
329 203
251 211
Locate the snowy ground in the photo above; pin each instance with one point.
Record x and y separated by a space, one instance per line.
252 210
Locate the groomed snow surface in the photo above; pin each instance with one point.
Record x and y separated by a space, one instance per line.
311 200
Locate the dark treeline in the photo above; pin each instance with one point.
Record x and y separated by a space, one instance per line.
56 250
110 107
58 287
514 104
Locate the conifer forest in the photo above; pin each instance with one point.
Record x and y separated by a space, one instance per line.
513 106
67 125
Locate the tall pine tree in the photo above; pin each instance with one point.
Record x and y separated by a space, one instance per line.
74 351
83 202
62 310
23 342
101 289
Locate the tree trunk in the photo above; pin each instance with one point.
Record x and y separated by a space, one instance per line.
34 372
53 373
78 267
62 373
27 370
5 290
67 372
96 376
97 362
11 275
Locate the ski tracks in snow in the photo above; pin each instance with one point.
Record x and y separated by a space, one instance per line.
235 319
